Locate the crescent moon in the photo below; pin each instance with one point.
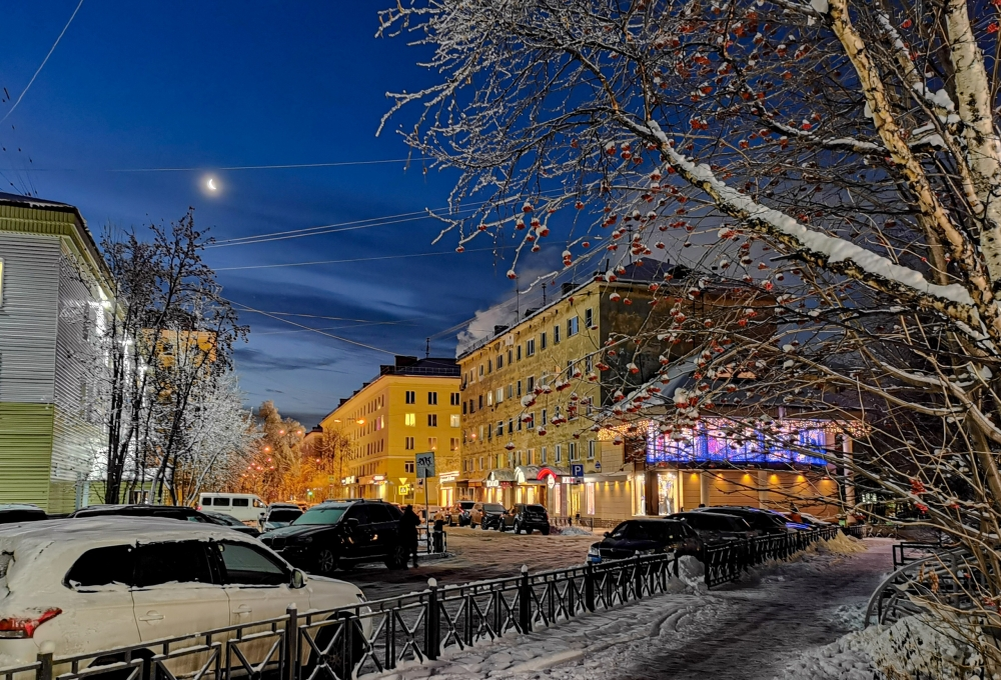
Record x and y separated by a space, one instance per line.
211 184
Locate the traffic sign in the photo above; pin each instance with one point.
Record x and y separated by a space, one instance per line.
577 470
425 465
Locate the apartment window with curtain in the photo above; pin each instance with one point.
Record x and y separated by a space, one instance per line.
454 420
410 419
433 443
432 420
411 397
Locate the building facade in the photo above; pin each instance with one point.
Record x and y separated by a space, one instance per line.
54 295
543 421
411 407
532 395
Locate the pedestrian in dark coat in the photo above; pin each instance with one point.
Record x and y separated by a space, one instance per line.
407 532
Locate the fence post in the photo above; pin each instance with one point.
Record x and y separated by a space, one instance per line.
589 587
291 643
431 631
525 601
45 659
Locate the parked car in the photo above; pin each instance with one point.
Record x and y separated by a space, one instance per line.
332 535
713 527
458 514
246 507
526 517
232 522
138 510
280 515
98 583
20 512
762 521
646 537
486 515
809 521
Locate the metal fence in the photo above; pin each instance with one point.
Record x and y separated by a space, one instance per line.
369 637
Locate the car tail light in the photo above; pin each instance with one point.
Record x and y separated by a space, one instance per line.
199 508
15 627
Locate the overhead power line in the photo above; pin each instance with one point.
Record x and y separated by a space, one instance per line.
227 168
356 259
44 61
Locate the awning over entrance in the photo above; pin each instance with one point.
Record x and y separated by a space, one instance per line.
501 475
527 474
551 471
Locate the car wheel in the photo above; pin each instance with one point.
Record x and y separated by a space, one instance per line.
326 561
338 664
545 531
398 558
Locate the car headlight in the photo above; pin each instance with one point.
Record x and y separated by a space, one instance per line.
306 539
594 550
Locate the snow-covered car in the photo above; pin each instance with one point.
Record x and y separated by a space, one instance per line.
280 515
761 521
89 585
233 523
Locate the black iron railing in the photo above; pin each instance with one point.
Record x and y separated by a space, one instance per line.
372 637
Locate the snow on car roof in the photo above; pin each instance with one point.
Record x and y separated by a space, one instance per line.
51 546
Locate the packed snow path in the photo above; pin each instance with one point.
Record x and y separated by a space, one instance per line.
747 631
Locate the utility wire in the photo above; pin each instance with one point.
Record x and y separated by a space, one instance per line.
314 330
44 61
356 259
227 168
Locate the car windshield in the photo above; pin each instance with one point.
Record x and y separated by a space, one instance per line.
534 508
284 515
321 515
466 505
493 507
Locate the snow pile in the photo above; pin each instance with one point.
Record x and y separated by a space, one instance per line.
574 531
840 545
914 647
691 577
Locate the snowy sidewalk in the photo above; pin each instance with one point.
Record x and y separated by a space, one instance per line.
750 630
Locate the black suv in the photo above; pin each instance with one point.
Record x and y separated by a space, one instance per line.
526 517
646 537
341 534
761 521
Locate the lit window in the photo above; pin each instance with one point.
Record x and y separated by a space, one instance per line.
500 395
453 420
433 443
410 419
589 498
453 444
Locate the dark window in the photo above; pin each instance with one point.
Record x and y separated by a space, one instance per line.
284 515
102 567
411 397
241 502
182 561
249 565
360 513
219 502
378 513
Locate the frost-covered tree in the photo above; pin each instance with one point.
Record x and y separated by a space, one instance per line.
169 335
275 469
836 161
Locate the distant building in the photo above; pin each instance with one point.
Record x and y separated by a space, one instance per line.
411 407
54 292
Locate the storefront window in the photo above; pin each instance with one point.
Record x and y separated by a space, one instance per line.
589 498
666 493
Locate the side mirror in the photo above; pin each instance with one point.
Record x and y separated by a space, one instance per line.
352 523
298 578
607 534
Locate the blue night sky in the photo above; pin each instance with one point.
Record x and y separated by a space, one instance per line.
214 84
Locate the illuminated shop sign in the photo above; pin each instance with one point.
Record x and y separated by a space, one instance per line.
724 441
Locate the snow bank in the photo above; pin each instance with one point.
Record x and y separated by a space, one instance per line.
691 577
914 647
839 545
575 531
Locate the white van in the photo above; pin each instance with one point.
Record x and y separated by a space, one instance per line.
246 507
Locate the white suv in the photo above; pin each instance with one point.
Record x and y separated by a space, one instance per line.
92 584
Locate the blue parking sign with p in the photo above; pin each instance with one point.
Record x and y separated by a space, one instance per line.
577 470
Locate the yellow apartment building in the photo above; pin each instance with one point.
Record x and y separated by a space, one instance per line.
541 425
411 407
